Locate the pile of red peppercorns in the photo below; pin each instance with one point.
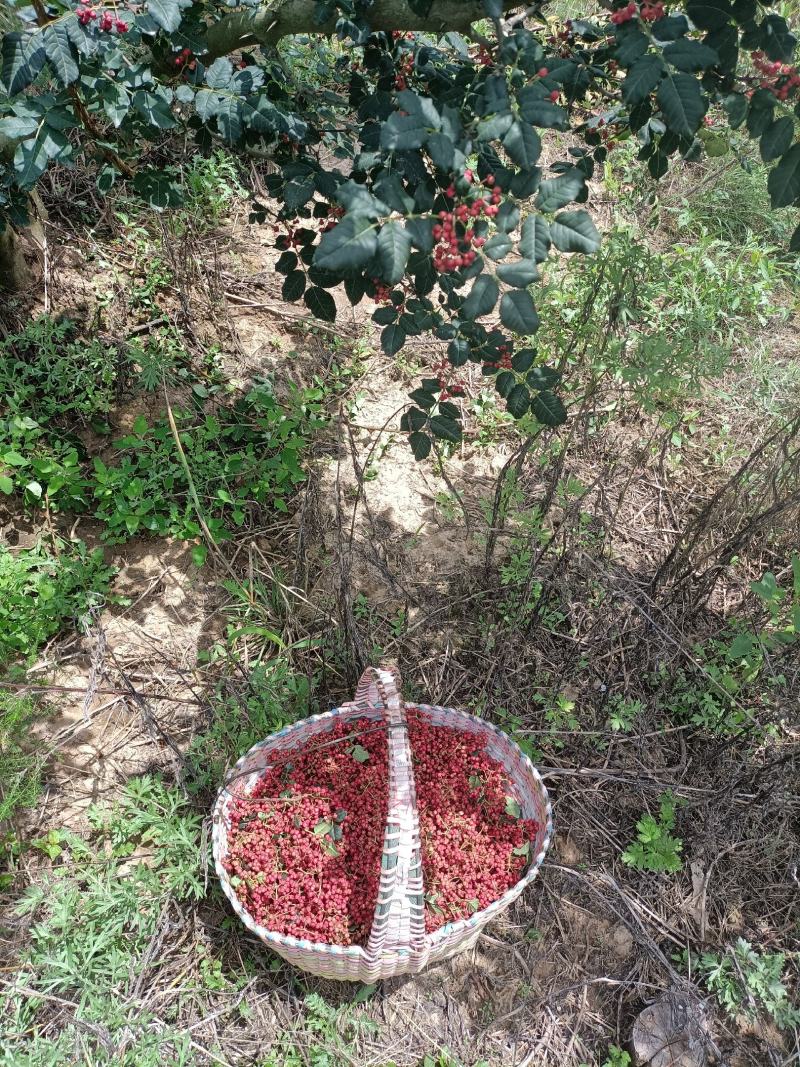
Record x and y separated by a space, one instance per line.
305 846
475 846
454 233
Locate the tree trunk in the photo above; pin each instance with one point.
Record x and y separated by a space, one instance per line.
270 23
15 274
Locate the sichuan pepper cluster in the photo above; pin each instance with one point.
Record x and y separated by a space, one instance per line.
305 846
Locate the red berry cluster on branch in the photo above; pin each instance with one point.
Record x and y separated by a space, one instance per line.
455 233
108 22
336 213
625 14
468 838
304 848
383 293
185 59
484 57
450 386
779 78
405 67
503 361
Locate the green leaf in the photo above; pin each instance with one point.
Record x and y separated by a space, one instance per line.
709 14
540 111
35 489
523 358
776 139
784 179
401 132
482 297
505 382
548 409
458 351
6 484
393 337
518 312
414 419
777 40
58 48
116 102
735 107
348 245
534 240
523 144
574 231
498 247
494 126
447 429
359 753
557 192
421 233
691 56
294 285
394 246
154 109
30 161
441 150
320 304
518 401
631 43
158 189
507 218
420 445
682 103
519 274
641 79
199 555
16 126
543 378
167 13
22 56
512 808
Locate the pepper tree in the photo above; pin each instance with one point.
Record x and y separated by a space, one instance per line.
412 178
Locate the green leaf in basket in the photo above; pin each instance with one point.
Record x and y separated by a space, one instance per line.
323 827
475 781
512 808
359 753
473 905
236 881
329 847
340 815
430 900
523 850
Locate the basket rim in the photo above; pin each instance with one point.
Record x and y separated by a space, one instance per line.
449 930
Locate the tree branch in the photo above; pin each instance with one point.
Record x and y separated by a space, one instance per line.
283 18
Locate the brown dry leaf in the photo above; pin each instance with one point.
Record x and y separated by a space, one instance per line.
670 1033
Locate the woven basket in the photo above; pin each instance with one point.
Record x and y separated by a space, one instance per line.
398 943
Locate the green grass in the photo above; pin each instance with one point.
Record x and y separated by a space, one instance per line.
92 921
21 763
274 696
43 592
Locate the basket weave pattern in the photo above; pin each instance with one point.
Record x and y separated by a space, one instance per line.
398 943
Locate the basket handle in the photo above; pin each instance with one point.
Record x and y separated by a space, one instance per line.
399 921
